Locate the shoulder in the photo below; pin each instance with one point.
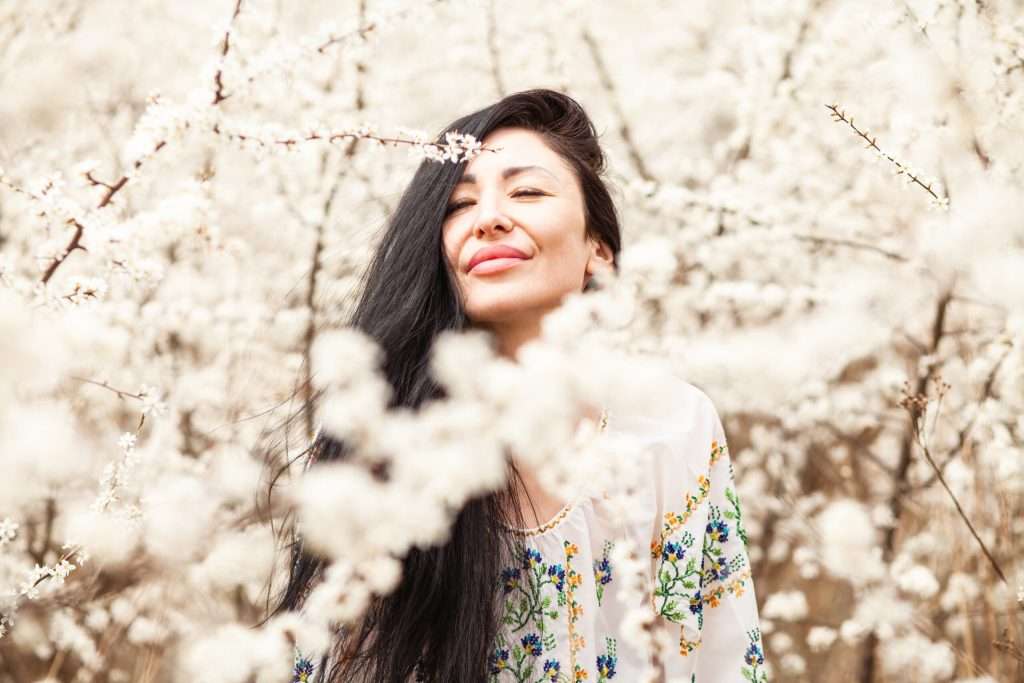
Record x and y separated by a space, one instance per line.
658 394
692 407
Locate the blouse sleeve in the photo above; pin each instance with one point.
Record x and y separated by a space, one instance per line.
703 587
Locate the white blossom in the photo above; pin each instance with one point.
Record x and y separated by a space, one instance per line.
8 530
820 638
787 606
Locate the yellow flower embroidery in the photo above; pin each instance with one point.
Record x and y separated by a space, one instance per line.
573 581
687 646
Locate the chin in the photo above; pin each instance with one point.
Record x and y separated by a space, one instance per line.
488 310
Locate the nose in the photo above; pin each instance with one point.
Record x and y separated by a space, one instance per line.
489 218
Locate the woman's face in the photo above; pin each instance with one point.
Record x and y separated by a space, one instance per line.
523 196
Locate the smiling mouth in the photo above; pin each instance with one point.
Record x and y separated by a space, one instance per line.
495 265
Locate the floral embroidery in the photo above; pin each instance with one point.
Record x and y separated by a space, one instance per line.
754 658
526 601
717 451
675 520
677 587
603 570
498 660
687 581
686 646
576 641
552 671
712 596
521 660
735 513
606 662
303 670
716 566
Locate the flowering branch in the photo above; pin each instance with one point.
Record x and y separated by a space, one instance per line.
48 206
219 96
320 46
457 147
901 169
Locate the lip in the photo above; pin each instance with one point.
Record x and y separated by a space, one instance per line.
496 265
500 251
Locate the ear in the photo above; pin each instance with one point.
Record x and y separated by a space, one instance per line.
601 258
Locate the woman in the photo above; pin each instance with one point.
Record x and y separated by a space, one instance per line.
526 592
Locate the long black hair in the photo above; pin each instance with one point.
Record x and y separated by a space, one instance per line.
440 621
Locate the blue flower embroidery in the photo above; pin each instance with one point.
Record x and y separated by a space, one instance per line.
557 573
531 558
718 530
552 669
303 670
531 643
510 579
498 660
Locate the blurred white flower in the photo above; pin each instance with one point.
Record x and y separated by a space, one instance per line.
786 606
820 638
793 663
145 631
239 558
127 441
168 534
151 403
8 530
918 580
235 654
961 591
917 657
849 541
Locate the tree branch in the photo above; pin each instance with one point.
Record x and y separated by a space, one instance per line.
624 130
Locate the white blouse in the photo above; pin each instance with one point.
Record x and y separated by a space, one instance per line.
563 618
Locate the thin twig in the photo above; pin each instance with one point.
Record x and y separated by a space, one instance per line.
986 392
492 47
624 130
853 244
120 393
916 405
872 143
218 78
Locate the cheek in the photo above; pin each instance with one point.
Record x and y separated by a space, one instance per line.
450 253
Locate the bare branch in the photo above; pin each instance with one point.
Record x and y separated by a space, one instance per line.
609 86
917 406
218 94
120 393
492 46
853 244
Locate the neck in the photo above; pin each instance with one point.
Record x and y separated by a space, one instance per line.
510 337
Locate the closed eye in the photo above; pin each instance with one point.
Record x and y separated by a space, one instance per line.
452 208
523 193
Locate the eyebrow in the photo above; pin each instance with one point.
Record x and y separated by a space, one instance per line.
507 173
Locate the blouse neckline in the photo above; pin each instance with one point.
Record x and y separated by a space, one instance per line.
570 505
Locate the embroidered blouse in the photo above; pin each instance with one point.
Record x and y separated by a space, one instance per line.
563 619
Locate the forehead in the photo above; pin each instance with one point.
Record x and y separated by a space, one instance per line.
515 147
